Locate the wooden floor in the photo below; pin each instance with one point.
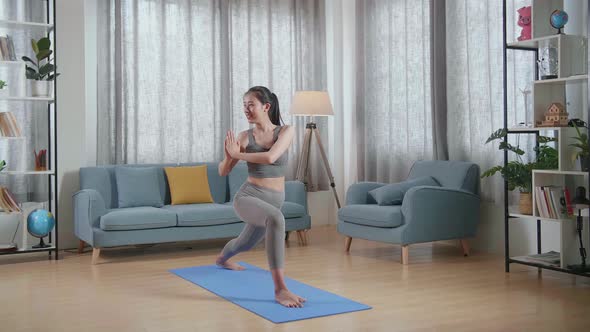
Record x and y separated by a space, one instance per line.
132 290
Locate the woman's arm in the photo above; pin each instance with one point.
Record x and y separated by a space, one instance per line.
277 150
228 163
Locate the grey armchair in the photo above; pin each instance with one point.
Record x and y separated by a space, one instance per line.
426 214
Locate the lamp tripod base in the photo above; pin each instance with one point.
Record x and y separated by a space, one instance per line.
302 168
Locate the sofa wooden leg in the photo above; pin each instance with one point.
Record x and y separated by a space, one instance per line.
305 237
347 243
95 255
405 254
299 237
81 245
465 246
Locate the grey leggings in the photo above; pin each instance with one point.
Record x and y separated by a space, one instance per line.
260 209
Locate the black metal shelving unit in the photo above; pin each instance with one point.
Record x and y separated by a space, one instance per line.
52 177
508 259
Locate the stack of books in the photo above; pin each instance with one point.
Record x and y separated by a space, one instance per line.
553 202
7 49
7 202
8 125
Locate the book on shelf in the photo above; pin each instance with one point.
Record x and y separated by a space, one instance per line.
553 202
8 125
7 201
7 49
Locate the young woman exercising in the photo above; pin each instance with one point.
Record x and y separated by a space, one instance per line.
258 202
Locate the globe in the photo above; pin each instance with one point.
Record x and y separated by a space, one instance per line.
39 223
558 19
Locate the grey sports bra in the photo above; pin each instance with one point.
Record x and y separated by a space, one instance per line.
274 170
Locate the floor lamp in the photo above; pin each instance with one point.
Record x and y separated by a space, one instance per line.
312 103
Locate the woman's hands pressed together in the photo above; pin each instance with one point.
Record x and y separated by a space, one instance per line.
232 145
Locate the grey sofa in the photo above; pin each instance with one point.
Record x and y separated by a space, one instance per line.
426 214
100 223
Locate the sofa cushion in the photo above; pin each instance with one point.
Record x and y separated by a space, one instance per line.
138 186
189 184
393 194
134 218
292 210
205 214
236 178
372 215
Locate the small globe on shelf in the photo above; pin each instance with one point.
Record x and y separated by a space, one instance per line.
39 223
558 19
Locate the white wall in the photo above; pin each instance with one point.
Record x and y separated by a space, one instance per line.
75 108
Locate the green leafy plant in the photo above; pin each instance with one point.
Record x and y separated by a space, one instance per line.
41 70
518 174
2 165
2 84
582 144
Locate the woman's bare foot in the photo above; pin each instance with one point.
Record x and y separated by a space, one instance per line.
288 299
228 265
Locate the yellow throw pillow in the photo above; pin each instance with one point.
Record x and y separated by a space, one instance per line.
188 185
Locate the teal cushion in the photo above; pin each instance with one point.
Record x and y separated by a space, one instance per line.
138 186
393 194
372 215
205 214
292 210
134 218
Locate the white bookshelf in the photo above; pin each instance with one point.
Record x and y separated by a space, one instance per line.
570 89
5 172
19 100
26 98
25 25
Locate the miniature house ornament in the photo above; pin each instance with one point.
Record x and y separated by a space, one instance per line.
556 116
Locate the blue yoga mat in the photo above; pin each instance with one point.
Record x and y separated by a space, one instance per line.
253 290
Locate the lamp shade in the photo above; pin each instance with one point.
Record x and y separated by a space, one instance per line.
311 103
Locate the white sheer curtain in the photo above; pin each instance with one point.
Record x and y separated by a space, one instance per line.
394 88
173 73
474 83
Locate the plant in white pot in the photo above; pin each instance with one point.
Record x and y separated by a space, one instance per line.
42 72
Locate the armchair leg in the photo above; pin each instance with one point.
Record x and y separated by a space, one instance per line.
405 254
81 245
347 243
465 246
95 255
300 237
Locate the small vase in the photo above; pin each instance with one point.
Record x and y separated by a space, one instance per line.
525 205
41 88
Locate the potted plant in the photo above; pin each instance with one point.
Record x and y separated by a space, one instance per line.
517 173
42 72
583 154
2 85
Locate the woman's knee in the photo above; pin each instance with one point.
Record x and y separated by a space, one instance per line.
276 220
